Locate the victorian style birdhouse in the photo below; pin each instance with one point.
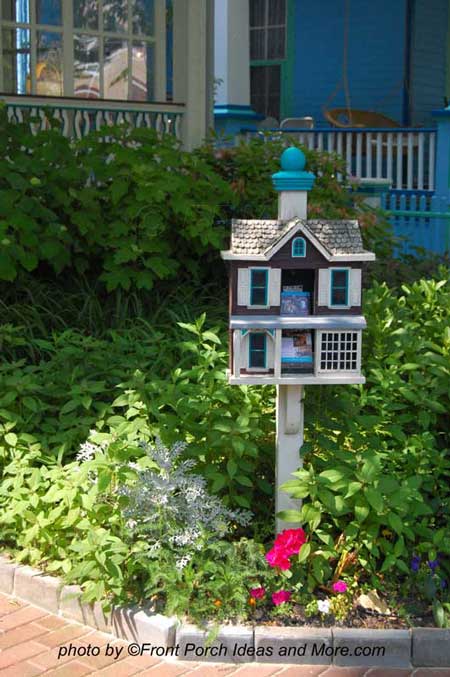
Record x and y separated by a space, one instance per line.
295 291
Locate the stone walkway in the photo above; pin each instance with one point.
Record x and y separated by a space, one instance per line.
30 640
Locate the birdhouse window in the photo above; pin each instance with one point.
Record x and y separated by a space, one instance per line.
339 296
257 350
299 247
259 279
339 351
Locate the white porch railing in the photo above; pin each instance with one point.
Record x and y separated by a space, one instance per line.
406 156
78 117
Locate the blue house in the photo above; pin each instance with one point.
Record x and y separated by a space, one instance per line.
304 58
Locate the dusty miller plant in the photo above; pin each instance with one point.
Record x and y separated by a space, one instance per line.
170 506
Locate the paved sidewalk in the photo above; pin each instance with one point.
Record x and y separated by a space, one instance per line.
30 640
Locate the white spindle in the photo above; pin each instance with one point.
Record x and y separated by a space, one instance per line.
320 141
379 155
87 123
399 182
348 151
77 124
421 143
359 155
410 161
431 149
389 155
330 142
339 140
369 155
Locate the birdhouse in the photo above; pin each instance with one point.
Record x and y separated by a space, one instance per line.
295 291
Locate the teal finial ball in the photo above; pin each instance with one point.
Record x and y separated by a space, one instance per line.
292 160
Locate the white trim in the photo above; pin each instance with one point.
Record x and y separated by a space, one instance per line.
297 227
277 354
325 322
318 352
336 379
236 353
227 255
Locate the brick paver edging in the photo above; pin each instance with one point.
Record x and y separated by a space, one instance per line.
419 647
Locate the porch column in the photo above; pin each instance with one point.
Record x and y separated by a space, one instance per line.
442 178
193 67
232 108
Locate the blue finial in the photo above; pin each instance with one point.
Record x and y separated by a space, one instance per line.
293 175
293 160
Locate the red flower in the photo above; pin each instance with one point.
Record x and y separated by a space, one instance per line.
278 558
290 541
281 596
257 593
340 586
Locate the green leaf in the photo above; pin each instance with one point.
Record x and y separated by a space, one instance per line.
232 467
304 552
290 515
11 439
395 522
374 498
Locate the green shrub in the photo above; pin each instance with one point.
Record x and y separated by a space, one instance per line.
124 204
375 481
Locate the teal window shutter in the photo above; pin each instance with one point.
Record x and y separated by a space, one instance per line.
339 293
259 282
299 247
257 350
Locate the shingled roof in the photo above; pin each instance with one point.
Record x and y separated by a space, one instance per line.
259 237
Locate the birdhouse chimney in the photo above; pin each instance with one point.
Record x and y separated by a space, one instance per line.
292 184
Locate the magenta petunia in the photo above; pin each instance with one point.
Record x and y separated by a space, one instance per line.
290 541
281 596
257 593
340 586
278 558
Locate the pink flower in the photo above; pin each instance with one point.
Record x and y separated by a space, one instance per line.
339 586
281 596
257 593
278 558
290 541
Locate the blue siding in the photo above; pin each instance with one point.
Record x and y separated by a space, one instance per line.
428 59
376 56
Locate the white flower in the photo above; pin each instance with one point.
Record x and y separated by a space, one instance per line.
324 606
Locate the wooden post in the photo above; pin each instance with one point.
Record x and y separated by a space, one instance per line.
289 440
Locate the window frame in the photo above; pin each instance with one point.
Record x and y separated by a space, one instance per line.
347 288
345 336
263 350
294 241
67 30
250 287
281 62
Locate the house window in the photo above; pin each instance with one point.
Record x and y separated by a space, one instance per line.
339 351
267 53
257 351
299 247
259 278
85 48
339 287
267 29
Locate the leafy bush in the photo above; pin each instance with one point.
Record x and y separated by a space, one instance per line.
84 522
124 203
374 485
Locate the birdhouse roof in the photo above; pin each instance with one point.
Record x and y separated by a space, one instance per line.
263 238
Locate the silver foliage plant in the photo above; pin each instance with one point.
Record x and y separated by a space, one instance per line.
169 505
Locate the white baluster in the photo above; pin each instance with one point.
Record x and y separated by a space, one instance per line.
139 119
320 141
77 119
431 154
379 155
410 161
330 142
65 115
389 155
359 141
399 184
369 155
348 151
420 157
87 123
178 119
